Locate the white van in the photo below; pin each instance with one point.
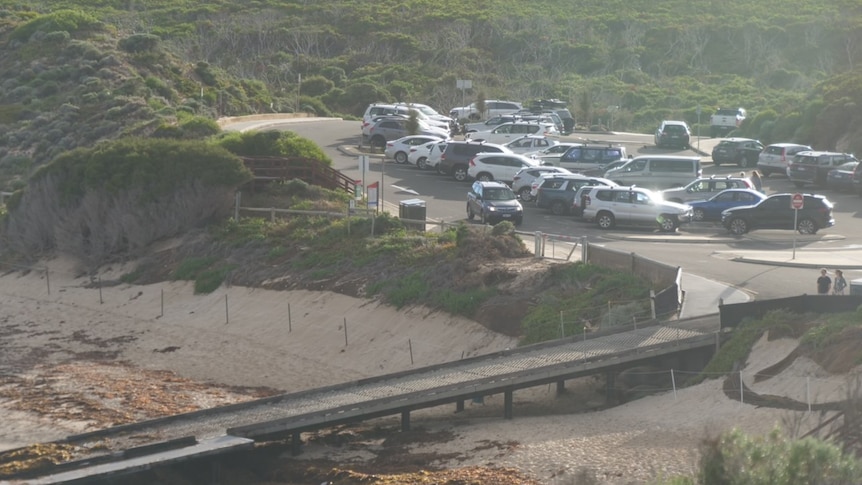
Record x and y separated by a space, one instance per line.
657 172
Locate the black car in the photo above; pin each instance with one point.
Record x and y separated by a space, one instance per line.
742 152
493 202
776 212
841 177
812 167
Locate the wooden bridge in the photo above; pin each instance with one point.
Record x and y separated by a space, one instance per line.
267 170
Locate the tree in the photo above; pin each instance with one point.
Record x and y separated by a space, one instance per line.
413 123
480 104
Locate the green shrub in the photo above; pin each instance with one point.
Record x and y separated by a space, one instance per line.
71 21
209 280
464 302
409 289
190 268
139 43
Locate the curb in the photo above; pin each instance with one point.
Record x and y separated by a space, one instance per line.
792 264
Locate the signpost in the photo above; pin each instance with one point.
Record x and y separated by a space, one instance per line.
463 85
797 201
698 127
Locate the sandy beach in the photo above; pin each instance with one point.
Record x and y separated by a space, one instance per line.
78 353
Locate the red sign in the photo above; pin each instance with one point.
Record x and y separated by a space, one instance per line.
797 201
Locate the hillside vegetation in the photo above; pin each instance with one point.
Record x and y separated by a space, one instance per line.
74 76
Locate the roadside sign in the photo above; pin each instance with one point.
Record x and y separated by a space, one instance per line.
797 201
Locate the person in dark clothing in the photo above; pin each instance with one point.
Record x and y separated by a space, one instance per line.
757 181
824 282
840 283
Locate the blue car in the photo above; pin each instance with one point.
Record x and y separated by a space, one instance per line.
710 209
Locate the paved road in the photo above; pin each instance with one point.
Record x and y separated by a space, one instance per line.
706 254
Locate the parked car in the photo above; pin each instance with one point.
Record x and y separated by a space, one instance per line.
552 154
711 208
609 206
455 158
498 166
523 180
775 212
603 171
557 193
530 143
418 155
580 198
706 187
810 167
400 148
493 107
657 171
490 123
841 177
493 202
403 109
774 158
673 134
509 131
387 129
725 120
742 152
581 158
435 153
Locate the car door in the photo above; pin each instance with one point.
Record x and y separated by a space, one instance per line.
509 166
774 213
718 203
622 205
641 208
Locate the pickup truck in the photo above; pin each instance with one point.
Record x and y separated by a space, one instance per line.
725 120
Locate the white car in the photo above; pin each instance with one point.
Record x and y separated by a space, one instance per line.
435 154
530 143
419 154
609 206
522 184
400 148
553 153
498 166
493 107
507 132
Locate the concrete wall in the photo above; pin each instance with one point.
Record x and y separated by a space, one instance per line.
657 273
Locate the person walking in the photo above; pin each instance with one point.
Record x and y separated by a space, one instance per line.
839 284
824 282
756 180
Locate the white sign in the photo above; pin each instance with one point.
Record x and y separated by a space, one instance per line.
464 84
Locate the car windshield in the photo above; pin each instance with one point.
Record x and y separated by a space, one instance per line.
499 194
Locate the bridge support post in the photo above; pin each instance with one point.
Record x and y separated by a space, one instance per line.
295 444
459 406
507 404
561 387
405 421
610 384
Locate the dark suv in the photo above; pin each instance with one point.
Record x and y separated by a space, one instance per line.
742 152
812 167
775 212
493 202
557 194
456 156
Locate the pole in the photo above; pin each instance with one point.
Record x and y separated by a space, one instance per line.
101 301
345 331
226 312
48 280
289 322
795 224
162 298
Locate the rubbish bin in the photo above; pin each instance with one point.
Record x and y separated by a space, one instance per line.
856 287
413 210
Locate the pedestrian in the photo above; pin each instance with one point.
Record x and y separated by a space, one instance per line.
756 180
824 283
840 283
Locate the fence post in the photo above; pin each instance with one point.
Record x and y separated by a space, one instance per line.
537 244
652 303
48 279
226 312
99 279
584 252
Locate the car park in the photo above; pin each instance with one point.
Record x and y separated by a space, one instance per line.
711 208
841 177
530 143
776 212
775 157
585 157
657 171
742 152
673 133
523 180
812 167
493 202
557 193
493 107
455 158
498 166
609 206
509 131
399 149
706 187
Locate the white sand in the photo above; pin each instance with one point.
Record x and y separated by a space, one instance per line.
243 337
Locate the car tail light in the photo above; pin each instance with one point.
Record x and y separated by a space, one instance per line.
390 144
412 150
587 200
472 162
517 177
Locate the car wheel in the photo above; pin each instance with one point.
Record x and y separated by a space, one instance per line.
717 163
738 226
440 170
698 215
558 208
470 214
667 223
518 221
484 177
459 173
745 163
378 142
605 220
806 226
799 185
422 163
525 194
401 157
473 117
484 217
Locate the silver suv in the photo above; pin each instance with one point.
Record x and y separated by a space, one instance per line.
774 158
704 188
609 206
